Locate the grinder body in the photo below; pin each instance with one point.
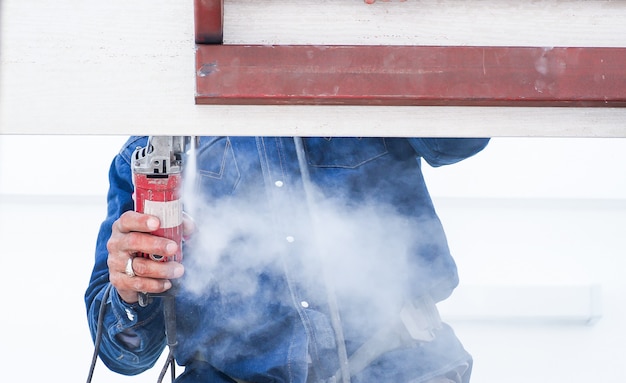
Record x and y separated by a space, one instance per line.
157 177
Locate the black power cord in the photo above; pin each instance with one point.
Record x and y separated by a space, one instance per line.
169 311
98 339
168 363
170 327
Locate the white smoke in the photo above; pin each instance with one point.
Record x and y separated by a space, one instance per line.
362 251
363 254
234 232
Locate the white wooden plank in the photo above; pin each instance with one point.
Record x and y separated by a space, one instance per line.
427 22
92 67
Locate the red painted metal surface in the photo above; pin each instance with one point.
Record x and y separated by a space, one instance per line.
411 75
161 197
209 21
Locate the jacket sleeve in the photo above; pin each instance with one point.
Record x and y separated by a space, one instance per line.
446 151
133 337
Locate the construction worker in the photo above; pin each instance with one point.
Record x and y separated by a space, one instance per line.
309 260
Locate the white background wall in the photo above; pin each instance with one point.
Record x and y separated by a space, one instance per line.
537 223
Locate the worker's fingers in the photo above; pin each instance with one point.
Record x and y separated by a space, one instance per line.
122 247
129 290
130 235
130 243
149 276
144 267
134 221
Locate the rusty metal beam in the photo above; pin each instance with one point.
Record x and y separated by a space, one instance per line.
209 21
411 75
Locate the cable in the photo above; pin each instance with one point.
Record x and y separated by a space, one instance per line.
169 311
168 362
98 338
99 330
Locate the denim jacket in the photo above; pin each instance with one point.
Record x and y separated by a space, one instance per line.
277 241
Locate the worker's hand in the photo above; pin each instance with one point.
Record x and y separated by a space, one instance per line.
131 235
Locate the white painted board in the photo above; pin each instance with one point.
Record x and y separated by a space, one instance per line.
119 67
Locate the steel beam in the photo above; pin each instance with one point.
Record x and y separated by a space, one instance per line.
209 21
410 75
